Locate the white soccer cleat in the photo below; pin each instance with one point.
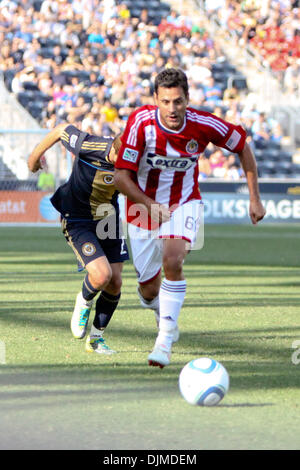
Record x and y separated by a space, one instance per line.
98 345
159 357
80 317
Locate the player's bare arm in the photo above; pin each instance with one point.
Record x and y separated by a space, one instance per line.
46 143
123 180
256 209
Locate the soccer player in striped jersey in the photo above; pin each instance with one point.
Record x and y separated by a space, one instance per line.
88 204
157 170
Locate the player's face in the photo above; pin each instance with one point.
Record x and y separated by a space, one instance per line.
172 103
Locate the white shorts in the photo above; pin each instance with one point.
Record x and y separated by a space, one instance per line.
147 246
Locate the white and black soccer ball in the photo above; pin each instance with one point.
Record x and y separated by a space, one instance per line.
203 382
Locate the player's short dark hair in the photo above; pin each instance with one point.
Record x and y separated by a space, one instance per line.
171 78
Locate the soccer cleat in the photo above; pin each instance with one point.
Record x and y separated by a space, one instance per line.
97 344
159 357
80 317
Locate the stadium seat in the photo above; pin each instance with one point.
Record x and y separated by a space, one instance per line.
272 144
237 81
283 155
88 98
260 144
165 7
141 4
259 158
271 154
217 67
37 5
36 109
25 97
30 86
258 153
8 76
41 96
156 18
136 12
46 52
285 165
281 175
48 42
221 77
266 167
265 174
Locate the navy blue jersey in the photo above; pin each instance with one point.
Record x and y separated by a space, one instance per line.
90 188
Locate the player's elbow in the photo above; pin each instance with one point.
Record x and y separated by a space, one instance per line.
119 179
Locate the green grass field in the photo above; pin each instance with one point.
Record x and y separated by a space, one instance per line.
242 308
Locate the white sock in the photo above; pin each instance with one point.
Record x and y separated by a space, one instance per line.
171 298
95 332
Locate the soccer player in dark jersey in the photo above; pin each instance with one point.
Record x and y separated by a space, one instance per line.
88 204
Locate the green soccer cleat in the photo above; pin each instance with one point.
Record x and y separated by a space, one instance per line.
80 317
98 345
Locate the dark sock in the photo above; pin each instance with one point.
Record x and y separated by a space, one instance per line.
105 306
88 291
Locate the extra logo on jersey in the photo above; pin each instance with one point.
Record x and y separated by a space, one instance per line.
170 163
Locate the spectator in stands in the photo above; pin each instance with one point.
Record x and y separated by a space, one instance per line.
76 110
46 180
291 78
217 164
90 35
232 171
109 119
212 92
205 170
196 95
200 71
261 129
230 94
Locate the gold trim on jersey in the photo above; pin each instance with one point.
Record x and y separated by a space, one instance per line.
70 242
94 146
65 137
103 190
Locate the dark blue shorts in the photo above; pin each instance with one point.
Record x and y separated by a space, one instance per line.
83 238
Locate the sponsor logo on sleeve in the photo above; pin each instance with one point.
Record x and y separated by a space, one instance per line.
73 140
130 155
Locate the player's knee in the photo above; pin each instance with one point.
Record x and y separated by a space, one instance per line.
173 265
115 284
149 291
101 278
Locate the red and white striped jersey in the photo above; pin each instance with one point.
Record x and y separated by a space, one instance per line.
166 161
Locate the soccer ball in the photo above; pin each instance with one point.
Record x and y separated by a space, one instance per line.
203 382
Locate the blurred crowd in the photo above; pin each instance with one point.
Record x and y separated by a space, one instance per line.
93 62
270 28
